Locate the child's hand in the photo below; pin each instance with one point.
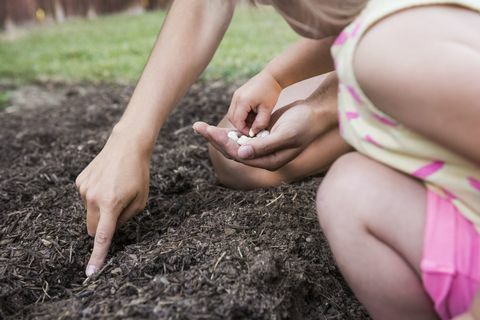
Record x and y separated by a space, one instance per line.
114 188
257 97
294 128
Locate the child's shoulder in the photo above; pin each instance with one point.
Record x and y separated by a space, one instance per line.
413 48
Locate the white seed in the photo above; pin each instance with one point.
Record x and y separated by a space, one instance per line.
233 135
243 140
262 134
250 133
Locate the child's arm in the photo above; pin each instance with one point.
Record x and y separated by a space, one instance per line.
302 60
114 186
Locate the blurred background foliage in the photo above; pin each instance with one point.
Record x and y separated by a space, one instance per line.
110 40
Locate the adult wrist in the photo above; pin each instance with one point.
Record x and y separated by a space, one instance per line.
138 139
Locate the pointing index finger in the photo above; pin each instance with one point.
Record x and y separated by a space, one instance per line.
103 239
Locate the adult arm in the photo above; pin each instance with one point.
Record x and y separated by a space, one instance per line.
114 186
189 37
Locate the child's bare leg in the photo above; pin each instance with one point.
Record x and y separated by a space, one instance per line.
315 159
373 217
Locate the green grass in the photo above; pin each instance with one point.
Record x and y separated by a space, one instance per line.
115 48
4 99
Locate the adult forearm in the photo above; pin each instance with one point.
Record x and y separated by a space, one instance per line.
302 60
189 37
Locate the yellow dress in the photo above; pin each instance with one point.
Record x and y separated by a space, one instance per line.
382 138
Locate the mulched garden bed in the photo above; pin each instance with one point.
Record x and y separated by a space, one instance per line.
198 251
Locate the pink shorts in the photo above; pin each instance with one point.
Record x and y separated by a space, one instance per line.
451 258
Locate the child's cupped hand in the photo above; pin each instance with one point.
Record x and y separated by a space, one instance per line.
292 129
256 100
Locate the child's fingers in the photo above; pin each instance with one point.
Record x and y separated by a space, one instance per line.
265 146
218 137
262 119
273 161
270 152
240 115
201 128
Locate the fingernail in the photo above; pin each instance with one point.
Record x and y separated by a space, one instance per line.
91 269
245 152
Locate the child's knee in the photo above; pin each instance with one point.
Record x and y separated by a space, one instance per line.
340 192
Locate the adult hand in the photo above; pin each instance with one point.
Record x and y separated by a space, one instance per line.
293 128
114 188
257 98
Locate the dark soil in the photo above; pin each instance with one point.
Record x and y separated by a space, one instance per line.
199 250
